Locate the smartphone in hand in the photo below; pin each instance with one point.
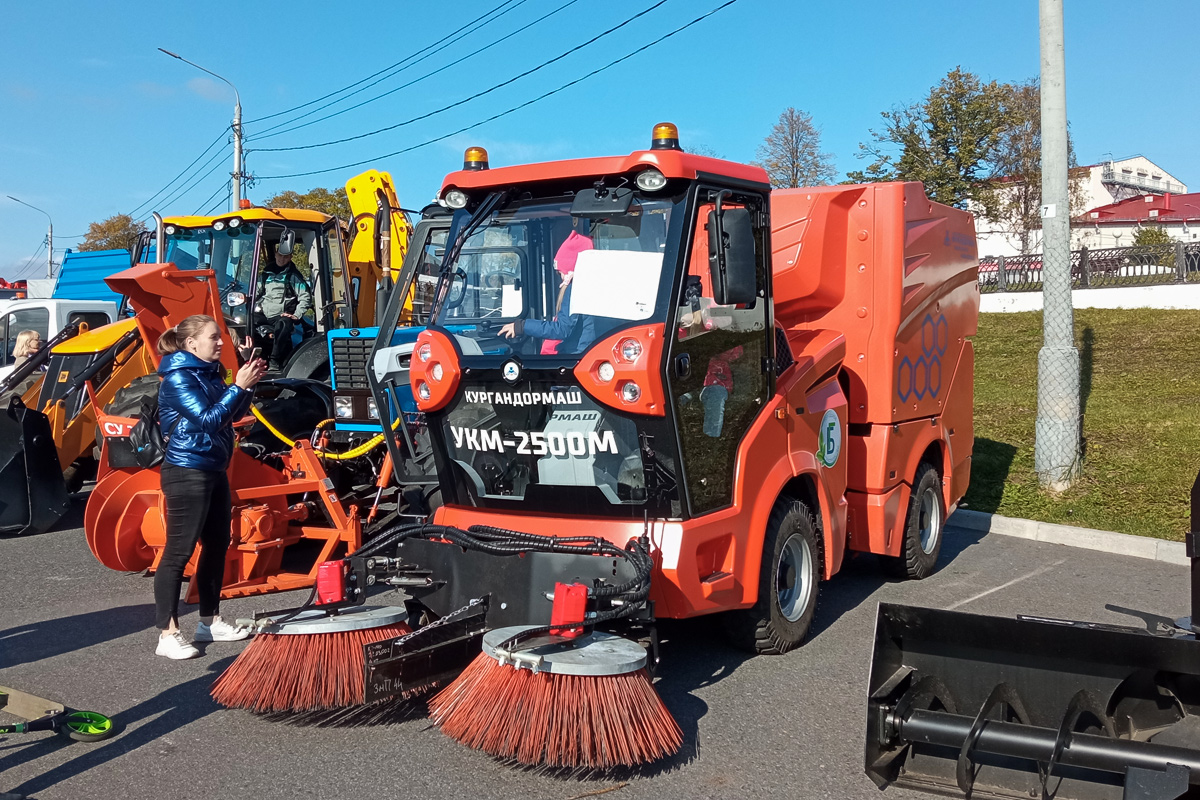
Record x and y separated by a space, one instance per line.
255 354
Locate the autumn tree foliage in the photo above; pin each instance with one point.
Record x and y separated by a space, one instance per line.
791 154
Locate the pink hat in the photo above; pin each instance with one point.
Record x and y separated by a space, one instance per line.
568 252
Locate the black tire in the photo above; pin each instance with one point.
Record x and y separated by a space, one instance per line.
924 528
789 584
127 402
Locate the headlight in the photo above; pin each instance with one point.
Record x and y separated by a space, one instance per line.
605 372
235 222
650 180
169 230
219 225
343 407
423 390
631 392
436 372
630 349
456 198
424 352
372 409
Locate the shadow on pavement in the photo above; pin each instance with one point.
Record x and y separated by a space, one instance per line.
166 712
26 644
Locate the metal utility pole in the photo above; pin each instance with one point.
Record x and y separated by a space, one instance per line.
49 237
1056 444
236 197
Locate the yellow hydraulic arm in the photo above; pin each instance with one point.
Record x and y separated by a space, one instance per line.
373 201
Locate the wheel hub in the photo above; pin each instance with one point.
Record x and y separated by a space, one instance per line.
794 577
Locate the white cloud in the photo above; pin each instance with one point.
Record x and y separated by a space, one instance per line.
210 89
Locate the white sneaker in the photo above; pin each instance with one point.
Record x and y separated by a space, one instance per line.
174 646
220 631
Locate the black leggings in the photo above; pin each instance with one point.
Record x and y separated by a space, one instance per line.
198 509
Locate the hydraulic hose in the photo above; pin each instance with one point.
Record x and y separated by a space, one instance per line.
361 450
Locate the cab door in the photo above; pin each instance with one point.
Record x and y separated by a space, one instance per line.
718 369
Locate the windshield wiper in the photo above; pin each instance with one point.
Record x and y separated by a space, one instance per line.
485 209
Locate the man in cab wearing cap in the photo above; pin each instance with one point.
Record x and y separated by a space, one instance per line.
283 299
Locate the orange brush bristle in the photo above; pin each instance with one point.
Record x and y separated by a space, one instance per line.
304 672
556 720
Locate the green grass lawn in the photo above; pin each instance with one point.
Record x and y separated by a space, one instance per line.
1141 420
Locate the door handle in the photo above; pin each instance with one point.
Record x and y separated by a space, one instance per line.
683 366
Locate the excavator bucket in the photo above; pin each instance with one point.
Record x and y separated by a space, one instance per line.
35 495
970 705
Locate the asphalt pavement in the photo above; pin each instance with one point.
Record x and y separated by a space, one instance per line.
787 726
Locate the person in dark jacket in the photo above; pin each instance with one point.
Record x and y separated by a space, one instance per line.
196 412
283 299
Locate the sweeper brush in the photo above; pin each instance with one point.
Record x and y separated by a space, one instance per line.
311 662
581 703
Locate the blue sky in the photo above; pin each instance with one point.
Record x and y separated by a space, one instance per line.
95 120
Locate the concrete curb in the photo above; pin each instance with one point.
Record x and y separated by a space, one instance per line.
1121 544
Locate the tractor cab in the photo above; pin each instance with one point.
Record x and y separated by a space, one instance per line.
591 349
240 249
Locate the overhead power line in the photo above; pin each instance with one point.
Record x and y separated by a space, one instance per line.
494 117
402 61
224 187
24 270
267 135
179 194
182 173
228 197
475 96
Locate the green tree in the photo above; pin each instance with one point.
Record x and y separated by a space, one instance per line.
334 203
791 152
119 231
1148 237
947 141
1012 199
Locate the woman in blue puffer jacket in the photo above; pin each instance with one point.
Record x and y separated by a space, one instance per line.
196 411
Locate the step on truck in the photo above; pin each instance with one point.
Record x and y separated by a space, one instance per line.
658 350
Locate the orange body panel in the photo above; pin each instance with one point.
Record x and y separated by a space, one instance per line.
895 274
711 563
671 163
165 295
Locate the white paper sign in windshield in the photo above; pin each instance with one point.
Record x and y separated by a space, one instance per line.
621 284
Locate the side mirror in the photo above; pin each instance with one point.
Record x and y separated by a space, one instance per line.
235 299
287 243
731 258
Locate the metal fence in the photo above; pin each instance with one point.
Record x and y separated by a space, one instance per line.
1141 265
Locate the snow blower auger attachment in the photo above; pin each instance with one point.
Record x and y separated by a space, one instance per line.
1031 707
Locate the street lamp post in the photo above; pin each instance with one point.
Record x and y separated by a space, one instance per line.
236 198
49 237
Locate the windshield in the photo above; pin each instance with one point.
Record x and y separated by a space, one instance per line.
230 254
534 279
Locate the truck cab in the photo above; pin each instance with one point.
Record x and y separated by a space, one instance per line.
658 347
236 246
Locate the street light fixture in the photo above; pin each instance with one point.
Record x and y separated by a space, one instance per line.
236 198
49 237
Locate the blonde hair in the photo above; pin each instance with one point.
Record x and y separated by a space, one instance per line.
22 348
173 339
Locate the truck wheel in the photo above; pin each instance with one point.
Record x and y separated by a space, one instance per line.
923 527
788 585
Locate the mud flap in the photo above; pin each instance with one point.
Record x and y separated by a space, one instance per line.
977 706
427 658
35 495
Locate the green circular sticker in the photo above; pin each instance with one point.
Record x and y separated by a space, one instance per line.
829 438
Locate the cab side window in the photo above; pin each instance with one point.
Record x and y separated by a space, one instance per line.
36 319
718 385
